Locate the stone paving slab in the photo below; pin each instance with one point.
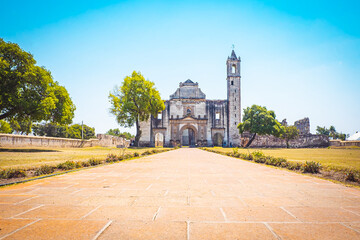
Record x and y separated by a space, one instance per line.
181 194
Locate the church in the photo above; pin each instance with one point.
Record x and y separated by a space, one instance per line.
189 119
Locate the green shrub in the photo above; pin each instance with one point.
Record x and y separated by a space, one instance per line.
294 166
235 151
311 167
111 158
258 154
127 156
12 173
259 160
66 165
154 151
352 175
94 162
284 164
147 152
78 165
136 154
44 169
85 164
274 161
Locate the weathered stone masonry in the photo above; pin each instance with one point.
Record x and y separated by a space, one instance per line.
190 119
11 140
305 139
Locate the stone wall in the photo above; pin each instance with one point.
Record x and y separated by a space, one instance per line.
112 141
11 140
303 141
339 143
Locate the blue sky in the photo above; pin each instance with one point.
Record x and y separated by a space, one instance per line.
299 58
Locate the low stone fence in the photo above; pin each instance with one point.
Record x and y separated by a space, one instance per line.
339 143
303 141
11 140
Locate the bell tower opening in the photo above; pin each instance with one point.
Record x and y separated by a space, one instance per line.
233 68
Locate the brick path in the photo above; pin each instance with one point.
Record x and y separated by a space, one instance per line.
181 194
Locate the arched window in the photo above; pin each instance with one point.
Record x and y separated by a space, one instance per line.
233 68
188 111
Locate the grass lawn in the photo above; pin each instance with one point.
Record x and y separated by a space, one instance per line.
33 157
333 158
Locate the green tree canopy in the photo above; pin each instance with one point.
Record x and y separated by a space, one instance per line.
258 120
331 132
63 131
118 133
28 92
322 130
5 127
135 101
289 133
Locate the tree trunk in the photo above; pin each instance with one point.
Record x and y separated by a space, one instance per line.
287 144
251 140
5 115
138 133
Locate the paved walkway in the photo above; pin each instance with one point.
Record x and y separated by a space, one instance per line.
181 194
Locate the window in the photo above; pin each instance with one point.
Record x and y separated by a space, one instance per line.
232 82
233 68
235 115
235 123
235 107
235 99
188 111
235 90
159 116
217 116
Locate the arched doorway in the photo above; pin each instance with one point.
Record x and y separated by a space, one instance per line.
159 140
188 137
218 139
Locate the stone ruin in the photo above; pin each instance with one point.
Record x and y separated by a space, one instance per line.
303 125
305 139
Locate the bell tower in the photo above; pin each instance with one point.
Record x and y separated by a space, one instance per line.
233 98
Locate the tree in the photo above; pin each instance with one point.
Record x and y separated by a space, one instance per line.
322 131
289 133
75 131
5 127
135 101
51 130
331 132
63 131
28 92
258 120
22 125
116 132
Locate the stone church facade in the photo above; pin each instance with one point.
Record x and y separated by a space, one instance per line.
189 119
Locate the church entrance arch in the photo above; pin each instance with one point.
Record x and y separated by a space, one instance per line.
159 140
218 139
188 136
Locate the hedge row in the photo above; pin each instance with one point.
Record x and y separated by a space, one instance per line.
69 165
307 167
